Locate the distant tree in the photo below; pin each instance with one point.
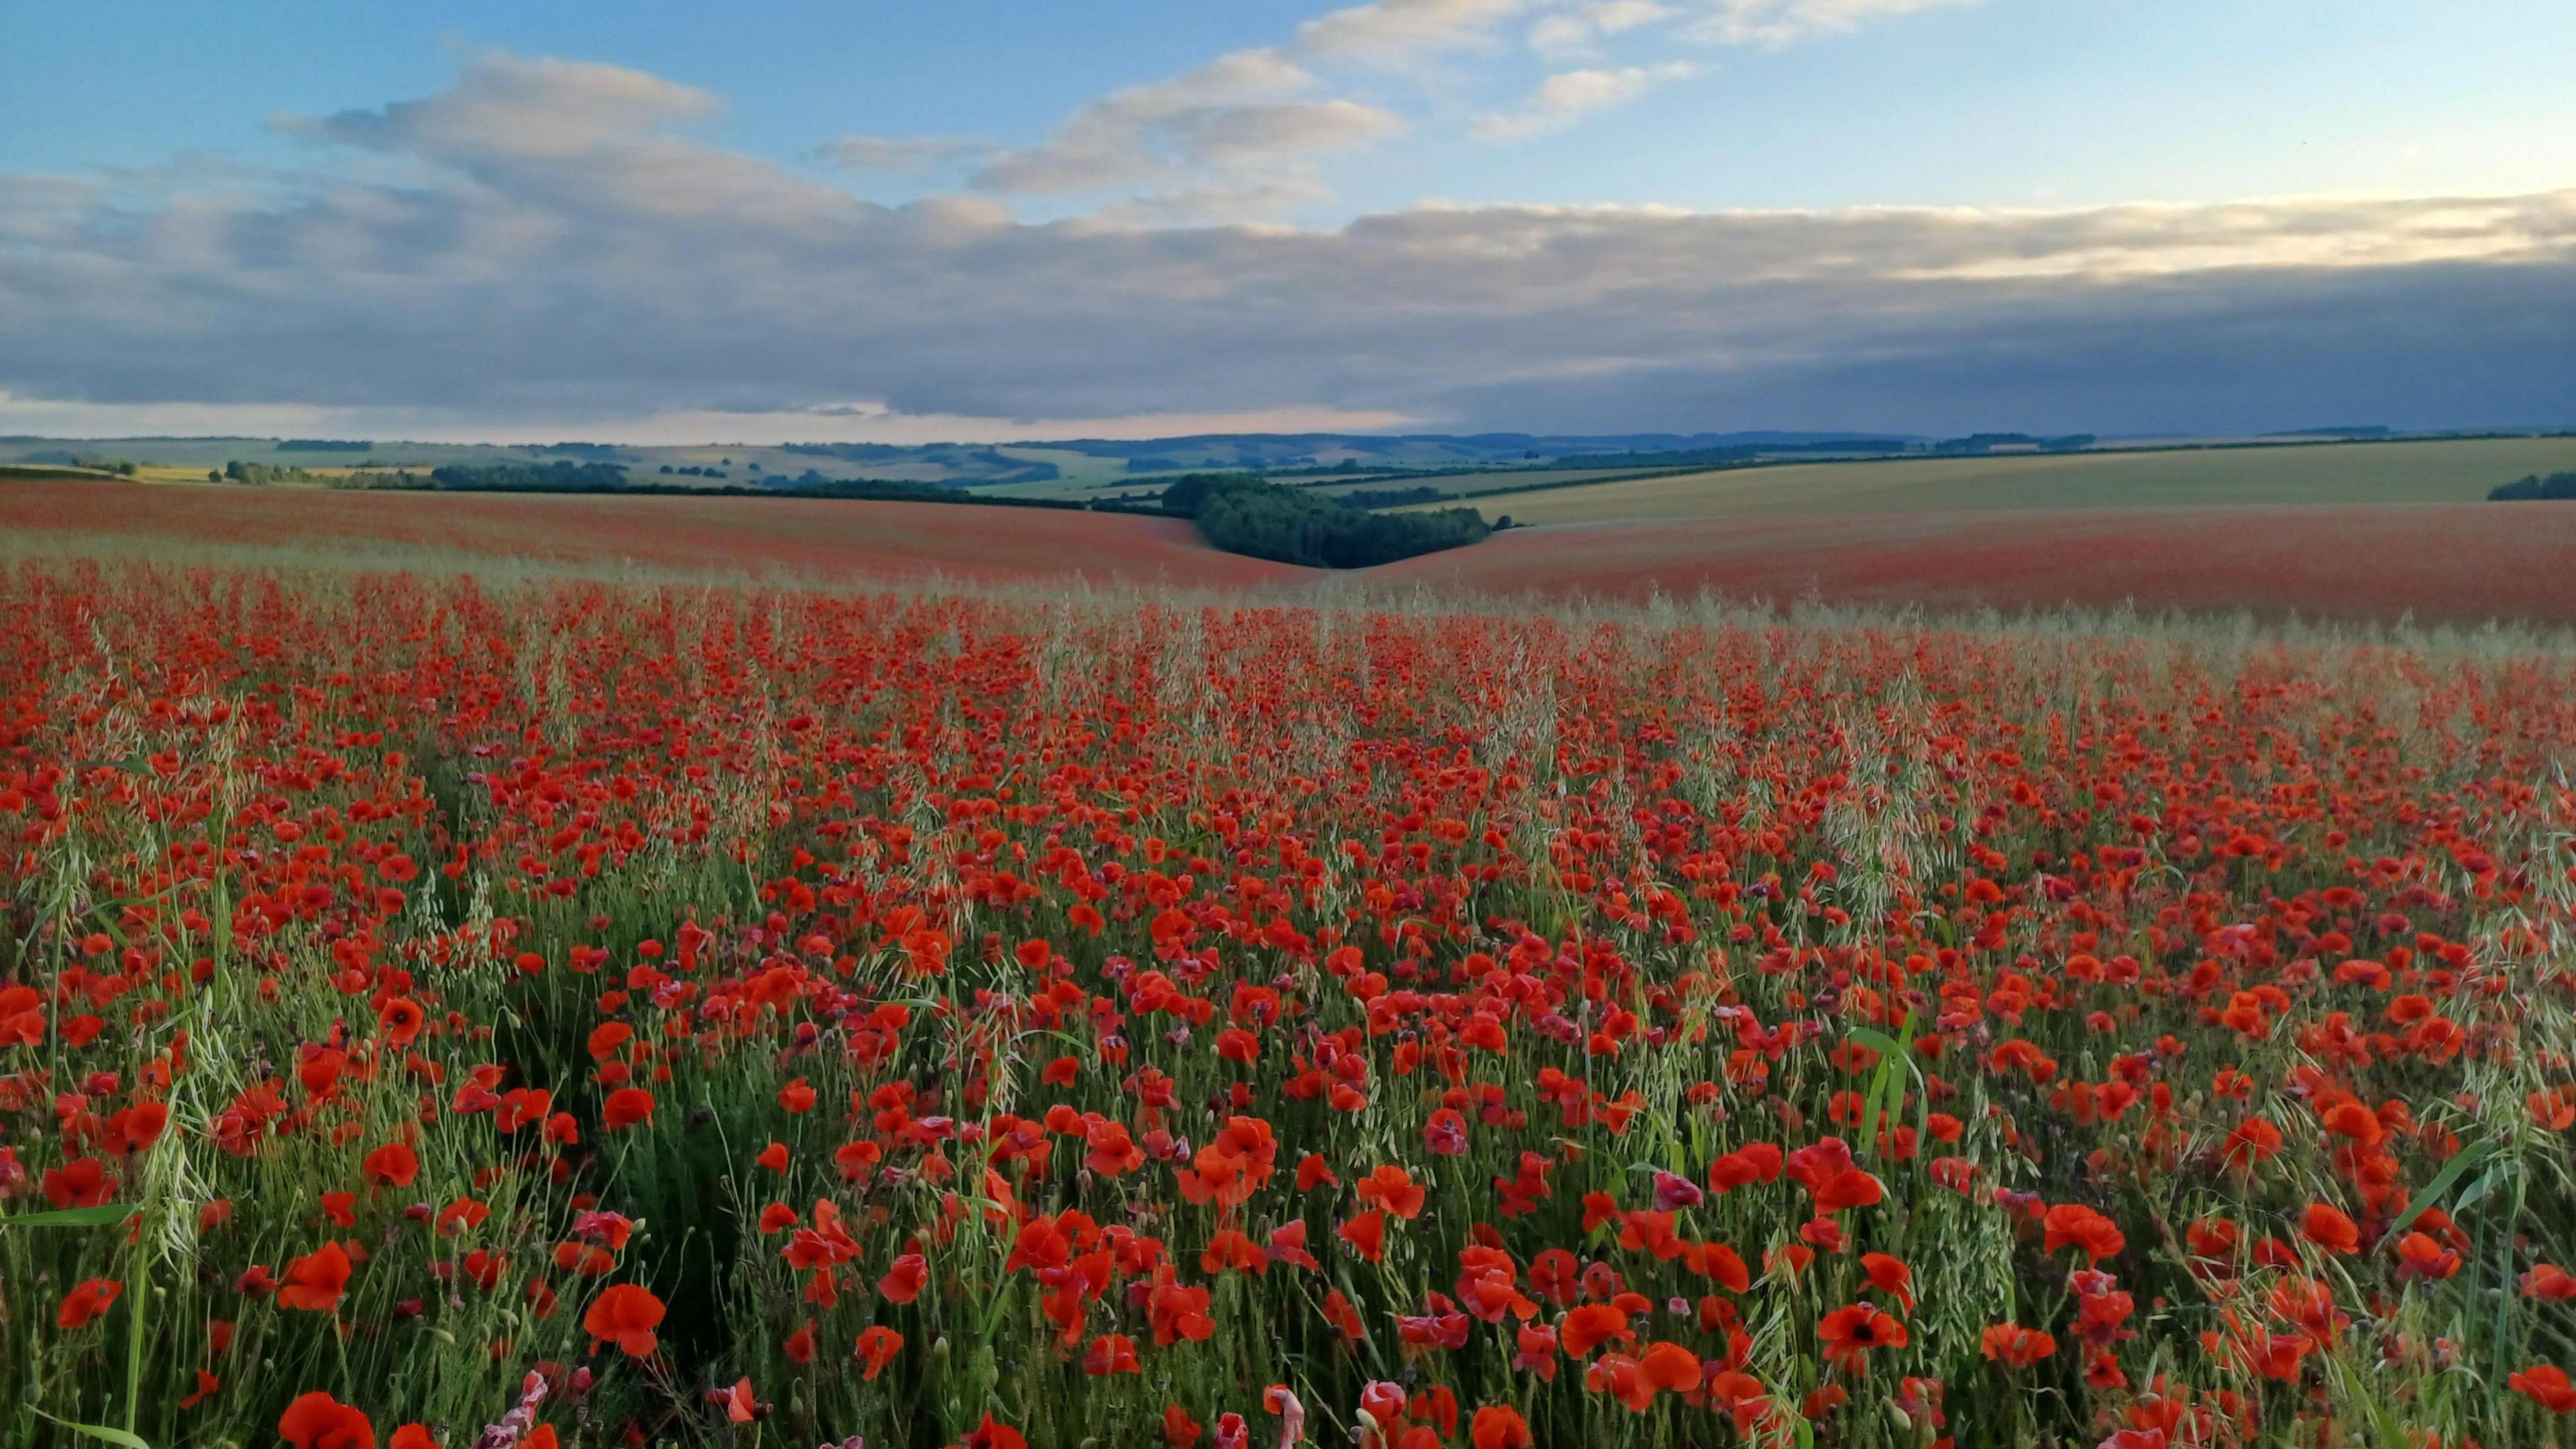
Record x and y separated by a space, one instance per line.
1260 519
2557 486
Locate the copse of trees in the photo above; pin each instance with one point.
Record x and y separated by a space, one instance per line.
258 475
560 476
1394 497
1259 519
565 477
2532 485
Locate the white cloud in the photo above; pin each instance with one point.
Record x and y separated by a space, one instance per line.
623 279
1568 96
1388 32
1778 22
509 105
1575 31
1214 128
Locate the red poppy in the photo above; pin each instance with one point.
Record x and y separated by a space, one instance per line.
2328 1228
1367 1233
1850 1333
2018 1346
87 1301
1110 1353
2545 1385
625 1315
392 1165
626 1107
877 1347
316 1281
318 1421
2073 1225
1393 1189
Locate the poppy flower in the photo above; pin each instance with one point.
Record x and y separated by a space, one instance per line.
1591 1325
318 1421
2328 1228
625 1315
1393 1189
877 1347
86 1301
316 1281
1622 1378
2545 1385
2013 1344
904 1281
2548 1281
79 1183
626 1107
1670 1366
2073 1225
1367 1234
739 1405
1499 1426
1890 1276
393 1165
1850 1333
1110 1353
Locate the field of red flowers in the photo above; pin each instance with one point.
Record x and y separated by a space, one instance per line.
435 1013
2455 562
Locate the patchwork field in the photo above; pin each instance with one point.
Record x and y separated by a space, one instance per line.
2452 562
815 539
2450 471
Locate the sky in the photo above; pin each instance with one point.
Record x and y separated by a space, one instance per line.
999 219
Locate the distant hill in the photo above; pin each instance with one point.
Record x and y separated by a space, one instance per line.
1094 468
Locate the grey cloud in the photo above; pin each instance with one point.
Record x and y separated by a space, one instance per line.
617 269
899 155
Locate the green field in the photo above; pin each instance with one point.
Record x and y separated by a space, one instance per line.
2441 471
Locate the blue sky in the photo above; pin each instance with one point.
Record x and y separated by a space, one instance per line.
334 182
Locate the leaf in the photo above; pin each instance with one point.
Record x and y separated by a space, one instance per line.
106 1214
2451 1172
2488 1182
101 1431
1887 1084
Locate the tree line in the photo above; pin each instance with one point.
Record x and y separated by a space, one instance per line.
2532 485
1260 519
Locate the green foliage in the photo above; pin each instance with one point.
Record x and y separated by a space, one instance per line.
561 476
1288 525
1394 497
260 475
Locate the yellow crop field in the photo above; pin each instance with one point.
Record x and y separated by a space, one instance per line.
2441 471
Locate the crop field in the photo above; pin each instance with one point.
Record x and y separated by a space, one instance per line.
2462 563
2451 471
440 1010
812 539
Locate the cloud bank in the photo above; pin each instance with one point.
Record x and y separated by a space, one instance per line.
543 242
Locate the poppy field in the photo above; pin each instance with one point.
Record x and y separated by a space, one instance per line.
561 1014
